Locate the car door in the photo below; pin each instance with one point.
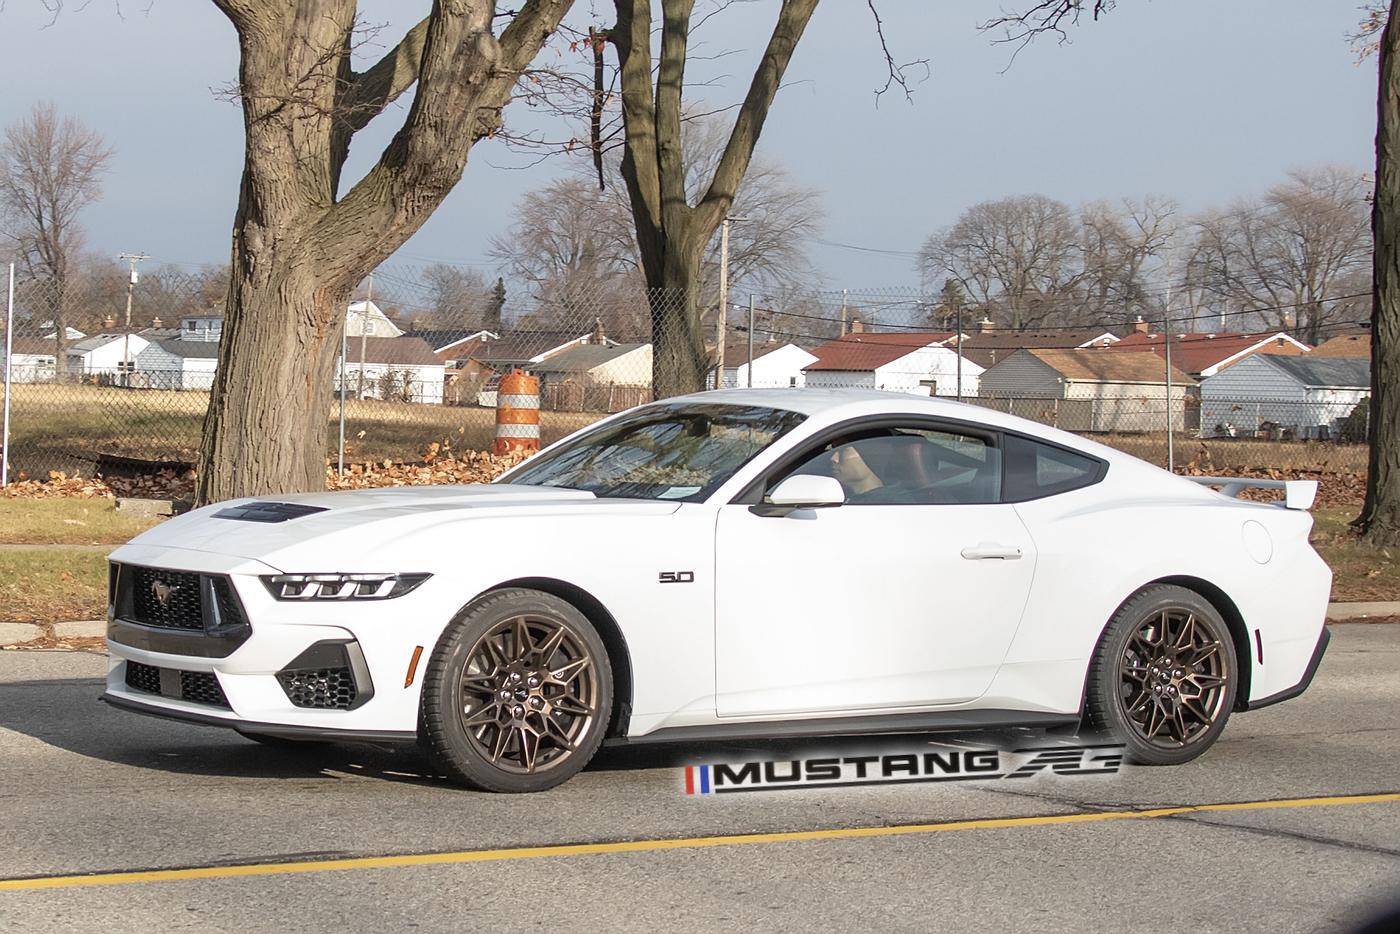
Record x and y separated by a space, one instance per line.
907 595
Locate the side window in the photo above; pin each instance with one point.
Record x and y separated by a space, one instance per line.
908 466
1034 470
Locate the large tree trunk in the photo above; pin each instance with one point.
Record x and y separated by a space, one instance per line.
1380 516
299 244
679 359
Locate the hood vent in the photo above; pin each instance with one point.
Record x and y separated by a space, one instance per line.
267 512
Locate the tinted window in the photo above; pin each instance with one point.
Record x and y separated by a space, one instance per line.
909 466
1034 470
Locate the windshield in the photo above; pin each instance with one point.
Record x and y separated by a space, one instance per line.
674 452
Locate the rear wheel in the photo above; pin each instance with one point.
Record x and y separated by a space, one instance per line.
1164 676
517 694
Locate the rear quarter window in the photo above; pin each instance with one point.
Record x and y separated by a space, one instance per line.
1034 470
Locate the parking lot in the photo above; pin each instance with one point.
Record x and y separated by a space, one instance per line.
1301 830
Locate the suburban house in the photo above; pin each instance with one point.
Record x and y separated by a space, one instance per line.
366 318
206 326
595 378
399 369
1206 354
452 346
173 363
1345 345
32 359
1087 389
1306 397
775 364
991 345
106 356
902 362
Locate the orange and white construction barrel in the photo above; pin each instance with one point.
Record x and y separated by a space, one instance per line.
517 413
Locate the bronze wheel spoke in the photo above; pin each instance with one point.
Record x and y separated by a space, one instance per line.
546 649
488 714
567 672
529 743
522 643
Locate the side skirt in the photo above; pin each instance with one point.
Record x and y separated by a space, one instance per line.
959 721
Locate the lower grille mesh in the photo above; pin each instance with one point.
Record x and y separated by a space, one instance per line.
197 687
320 688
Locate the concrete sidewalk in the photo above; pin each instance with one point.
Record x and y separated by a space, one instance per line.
17 633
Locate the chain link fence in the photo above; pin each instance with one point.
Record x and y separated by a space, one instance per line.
426 347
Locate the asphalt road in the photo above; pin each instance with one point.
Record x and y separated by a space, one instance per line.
268 840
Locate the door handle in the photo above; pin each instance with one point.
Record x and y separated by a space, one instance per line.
983 551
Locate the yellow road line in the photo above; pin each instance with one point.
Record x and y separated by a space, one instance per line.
642 846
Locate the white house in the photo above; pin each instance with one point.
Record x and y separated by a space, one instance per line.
207 326
1308 395
1087 389
776 364
399 369
31 359
919 363
174 363
108 354
366 318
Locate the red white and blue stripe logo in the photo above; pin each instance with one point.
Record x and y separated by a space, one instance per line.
697 780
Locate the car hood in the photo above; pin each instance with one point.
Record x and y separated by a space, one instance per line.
364 522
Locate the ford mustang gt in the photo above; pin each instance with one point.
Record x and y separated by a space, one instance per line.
742 563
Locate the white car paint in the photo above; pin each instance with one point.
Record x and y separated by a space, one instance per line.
834 612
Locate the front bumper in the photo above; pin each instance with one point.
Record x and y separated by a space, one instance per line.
296 670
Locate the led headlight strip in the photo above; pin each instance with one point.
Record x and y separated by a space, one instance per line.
341 586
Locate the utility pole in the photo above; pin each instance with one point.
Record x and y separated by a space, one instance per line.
364 314
843 312
959 339
749 370
1167 340
723 298
133 259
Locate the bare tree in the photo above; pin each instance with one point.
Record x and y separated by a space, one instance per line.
673 229
459 298
301 240
1017 259
1293 256
50 169
1121 246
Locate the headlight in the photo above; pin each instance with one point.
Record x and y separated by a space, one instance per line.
341 586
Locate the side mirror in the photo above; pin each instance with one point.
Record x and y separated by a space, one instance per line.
807 491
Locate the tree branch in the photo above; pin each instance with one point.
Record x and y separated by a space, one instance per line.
370 91
792 20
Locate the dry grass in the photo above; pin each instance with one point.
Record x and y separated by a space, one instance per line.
49 585
60 521
65 427
1360 572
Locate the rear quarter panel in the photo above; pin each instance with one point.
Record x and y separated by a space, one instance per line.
1098 547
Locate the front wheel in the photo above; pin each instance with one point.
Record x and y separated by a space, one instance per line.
517 694
1164 676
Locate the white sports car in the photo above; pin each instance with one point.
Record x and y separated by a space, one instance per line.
754 563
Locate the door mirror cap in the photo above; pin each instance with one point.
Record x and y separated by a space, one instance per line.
807 491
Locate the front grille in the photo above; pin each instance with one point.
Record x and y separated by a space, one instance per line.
164 598
201 687
320 688
141 677
230 611
197 687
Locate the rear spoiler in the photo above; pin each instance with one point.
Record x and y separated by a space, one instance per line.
1297 494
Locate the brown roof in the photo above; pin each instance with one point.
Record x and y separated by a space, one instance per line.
393 351
1197 352
868 350
1098 365
1345 345
989 347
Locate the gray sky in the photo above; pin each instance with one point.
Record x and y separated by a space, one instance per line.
1201 100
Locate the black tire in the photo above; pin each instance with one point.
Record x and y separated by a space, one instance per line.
498 713
1164 676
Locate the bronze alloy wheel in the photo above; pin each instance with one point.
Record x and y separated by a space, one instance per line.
528 694
517 695
1163 679
1173 678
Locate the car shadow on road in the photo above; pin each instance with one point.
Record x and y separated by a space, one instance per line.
67 714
